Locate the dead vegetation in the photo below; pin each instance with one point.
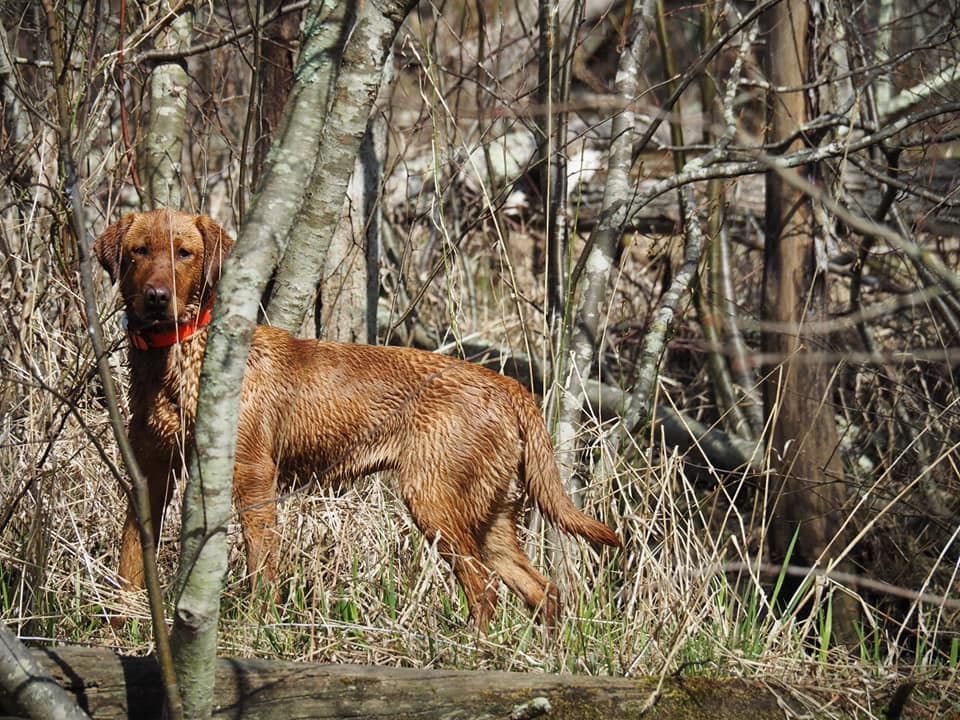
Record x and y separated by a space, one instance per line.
462 268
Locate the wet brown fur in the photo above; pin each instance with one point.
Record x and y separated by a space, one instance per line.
463 441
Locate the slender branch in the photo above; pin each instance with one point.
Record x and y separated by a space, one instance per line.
715 164
159 56
846 579
654 342
922 92
866 226
670 69
895 186
694 72
714 304
739 365
141 495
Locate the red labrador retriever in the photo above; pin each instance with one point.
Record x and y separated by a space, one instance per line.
464 442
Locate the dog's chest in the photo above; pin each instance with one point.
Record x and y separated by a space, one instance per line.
163 395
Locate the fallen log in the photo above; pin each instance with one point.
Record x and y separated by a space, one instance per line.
108 685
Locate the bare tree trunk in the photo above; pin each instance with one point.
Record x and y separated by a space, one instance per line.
374 149
344 293
591 276
808 494
551 168
714 299
274 81
163 145
313 154
590 280
352 91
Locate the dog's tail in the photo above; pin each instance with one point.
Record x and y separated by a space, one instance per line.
542 478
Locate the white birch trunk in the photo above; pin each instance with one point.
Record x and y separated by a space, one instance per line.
166 120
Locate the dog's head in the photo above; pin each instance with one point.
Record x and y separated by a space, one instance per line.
166 262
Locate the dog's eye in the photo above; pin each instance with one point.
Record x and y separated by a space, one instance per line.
183 254
140 250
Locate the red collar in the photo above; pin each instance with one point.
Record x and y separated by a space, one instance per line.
147 339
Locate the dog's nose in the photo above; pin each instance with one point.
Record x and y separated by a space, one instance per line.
157 297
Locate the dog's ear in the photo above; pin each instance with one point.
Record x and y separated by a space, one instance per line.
107 246
217 244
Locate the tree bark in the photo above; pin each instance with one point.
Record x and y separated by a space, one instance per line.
808 494
344 290
110 686
350 97
166 121
25 686
311 141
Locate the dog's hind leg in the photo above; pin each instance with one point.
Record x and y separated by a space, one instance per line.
502 553
437 517
478 583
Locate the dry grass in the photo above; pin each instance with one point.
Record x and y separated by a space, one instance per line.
360 584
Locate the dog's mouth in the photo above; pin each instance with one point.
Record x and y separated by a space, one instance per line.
136 323
156 323
158 319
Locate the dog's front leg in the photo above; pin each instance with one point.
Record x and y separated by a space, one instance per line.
158 469
255 495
